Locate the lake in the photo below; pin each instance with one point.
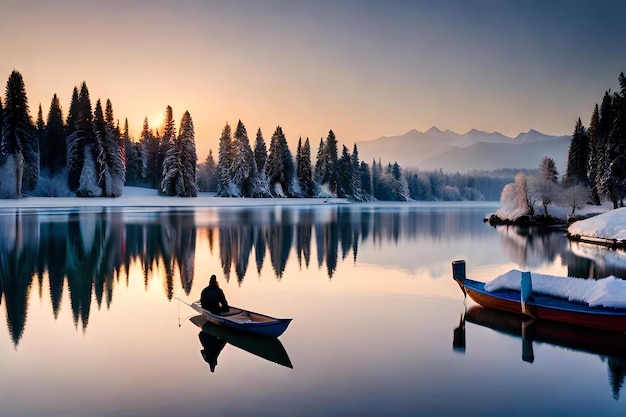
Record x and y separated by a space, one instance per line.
96 324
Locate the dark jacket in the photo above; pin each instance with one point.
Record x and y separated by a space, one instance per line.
212 298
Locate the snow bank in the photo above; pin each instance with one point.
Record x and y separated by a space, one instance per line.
148 197
610 226
605 292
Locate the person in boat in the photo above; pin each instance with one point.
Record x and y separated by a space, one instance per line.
212 297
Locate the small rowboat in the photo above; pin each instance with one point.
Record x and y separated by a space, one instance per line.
540 306
245 321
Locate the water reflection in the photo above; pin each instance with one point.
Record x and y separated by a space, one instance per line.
88 251
214 338
530 247
609 346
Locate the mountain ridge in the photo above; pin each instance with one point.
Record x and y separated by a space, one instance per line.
475 149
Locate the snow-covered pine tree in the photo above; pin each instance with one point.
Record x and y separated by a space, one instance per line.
594 156
604 130
343 174
304 171
243 168
577 158
111 172
400 188
225 187
280 168
260 151
18 136
82 135
40 130
55 138
73 156
357 190
88 186
333 158
134 158
151 171
179 166
169 135
366 180
211 170
321 163
1 117
189 156
616 183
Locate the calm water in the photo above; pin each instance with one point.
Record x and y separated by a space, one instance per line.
94 325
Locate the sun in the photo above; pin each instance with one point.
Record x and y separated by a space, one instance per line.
156 122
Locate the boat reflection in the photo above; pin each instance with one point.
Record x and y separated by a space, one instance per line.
609 346
213 339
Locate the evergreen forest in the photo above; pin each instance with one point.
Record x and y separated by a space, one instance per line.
86 153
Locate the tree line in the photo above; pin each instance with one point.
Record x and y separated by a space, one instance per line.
596 164
88 154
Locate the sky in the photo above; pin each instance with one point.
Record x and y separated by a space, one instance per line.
362 68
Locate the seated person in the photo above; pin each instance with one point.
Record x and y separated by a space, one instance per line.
212 297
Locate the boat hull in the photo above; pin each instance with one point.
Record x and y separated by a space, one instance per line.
547 308
246 321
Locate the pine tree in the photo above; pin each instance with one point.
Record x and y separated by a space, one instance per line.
605 125
331 161
19 141
243 167
54 138
593 166
40 130
134 158
357 189
225 187
321 163
81 136
179 166
303 168
279 167
169 135
366 179
109 163
260 152
615 184
578 158
343 174
211 168
151 170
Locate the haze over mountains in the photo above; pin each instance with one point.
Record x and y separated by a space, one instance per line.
474 150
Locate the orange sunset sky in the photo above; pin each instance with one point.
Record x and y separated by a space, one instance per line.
362 68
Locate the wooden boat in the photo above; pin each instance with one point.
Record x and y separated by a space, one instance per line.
268 348
245 321
541 306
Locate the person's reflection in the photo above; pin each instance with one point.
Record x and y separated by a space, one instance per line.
212 348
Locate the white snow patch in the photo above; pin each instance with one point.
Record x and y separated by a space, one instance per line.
148 197
609 225
605 292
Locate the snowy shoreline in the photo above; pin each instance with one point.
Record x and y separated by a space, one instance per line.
147 197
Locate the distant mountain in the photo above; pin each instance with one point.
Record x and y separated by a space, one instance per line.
475 149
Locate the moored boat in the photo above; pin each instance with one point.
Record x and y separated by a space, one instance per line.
245 321
607 315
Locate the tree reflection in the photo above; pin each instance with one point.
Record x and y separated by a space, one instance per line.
90 251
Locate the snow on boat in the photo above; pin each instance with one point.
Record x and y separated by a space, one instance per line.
245 321
600 304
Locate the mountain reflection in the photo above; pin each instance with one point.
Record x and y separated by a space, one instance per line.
88 251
